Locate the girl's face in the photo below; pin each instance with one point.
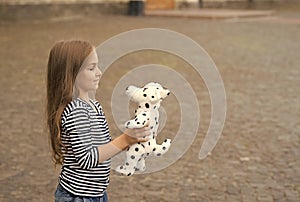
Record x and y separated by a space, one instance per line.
89 75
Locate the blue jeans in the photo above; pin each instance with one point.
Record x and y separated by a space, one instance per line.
62 195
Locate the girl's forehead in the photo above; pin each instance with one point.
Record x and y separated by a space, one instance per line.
92 57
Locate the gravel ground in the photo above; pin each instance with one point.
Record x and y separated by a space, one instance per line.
257 157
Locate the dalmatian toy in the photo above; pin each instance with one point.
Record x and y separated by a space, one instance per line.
149 98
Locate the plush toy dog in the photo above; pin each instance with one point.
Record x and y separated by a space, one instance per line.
149 98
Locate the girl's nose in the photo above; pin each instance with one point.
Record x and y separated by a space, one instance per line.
98 73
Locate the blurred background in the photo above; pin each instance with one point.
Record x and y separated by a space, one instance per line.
255 45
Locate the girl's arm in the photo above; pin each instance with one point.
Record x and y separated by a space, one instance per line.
131 136
77 124
123 141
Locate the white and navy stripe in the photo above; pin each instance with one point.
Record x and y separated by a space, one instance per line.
83 129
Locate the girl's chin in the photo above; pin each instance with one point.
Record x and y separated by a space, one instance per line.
94 88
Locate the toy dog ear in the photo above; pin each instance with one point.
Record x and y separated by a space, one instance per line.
131 90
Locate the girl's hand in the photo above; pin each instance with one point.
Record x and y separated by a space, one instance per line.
131 136
138 133
131 140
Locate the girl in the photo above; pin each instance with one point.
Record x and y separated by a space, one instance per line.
79 133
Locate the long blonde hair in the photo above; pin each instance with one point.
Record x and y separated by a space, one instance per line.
65 60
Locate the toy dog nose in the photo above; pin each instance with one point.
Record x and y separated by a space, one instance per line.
167 92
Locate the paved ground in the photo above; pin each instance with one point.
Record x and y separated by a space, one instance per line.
257 157
210 13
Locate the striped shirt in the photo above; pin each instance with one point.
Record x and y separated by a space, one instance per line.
83 129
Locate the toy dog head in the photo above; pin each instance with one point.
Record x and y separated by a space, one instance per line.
152 93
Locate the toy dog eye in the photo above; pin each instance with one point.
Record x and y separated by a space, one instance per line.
152 96
145 95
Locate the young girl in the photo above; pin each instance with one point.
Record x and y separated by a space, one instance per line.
79 133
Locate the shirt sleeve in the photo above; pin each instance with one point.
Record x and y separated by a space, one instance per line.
77 126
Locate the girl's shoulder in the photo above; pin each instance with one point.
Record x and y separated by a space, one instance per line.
75 105
74 111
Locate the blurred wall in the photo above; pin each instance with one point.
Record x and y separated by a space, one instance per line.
19 10
56 1
116 1
15 10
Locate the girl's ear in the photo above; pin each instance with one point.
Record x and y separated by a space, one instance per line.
131 90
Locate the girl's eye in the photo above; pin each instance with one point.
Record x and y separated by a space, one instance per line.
92 67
